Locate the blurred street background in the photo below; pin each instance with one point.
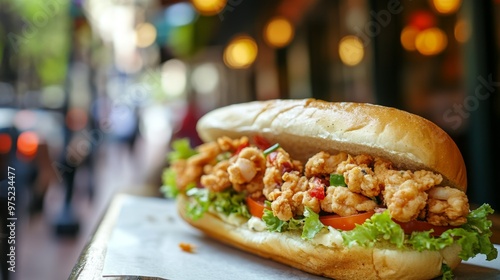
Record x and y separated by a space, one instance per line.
92 92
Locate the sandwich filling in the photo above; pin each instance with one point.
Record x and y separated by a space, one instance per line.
341 184
238 178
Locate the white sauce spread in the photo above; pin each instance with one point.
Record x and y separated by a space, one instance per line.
256 224
330 238
233 219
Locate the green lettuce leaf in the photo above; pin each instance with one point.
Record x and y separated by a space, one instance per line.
423 240
380 227
309 224
230 202
227 202
273 223
447 273
312 224
169 187
199 203
473 237
296 224
477 222
181 149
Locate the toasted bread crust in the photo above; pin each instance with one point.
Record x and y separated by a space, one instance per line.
305 127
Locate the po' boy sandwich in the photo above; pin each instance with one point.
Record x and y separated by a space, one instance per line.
342 190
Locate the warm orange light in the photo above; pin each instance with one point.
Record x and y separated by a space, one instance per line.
240 53
462 31
278 32
351 50
408 36
431 41
5 143
446 6
27 143
209 7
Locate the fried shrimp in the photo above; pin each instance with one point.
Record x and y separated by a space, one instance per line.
358 175
206 153
294 182
186 173
405 201
242 171
227 144
247 170
294 196
272 182
405 192
190 170
304 199
362 180
278 163
323 163
342 201
447 206
300 185
217 179
380 166
350 162
427 179
248 163
282 207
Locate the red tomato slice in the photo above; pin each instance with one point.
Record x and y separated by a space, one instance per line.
261 142
345 223
415 225
256 206
241 147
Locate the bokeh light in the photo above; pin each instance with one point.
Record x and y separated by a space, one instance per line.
446 6
76 119
25 120
462 31
408 36
5 143
173 77
205 78
351 50
145 35
180 14
422 19
52 97
156 124
431 41
241 52
278 32
209 7
27 143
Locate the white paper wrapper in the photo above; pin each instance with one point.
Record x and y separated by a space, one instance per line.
145 242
